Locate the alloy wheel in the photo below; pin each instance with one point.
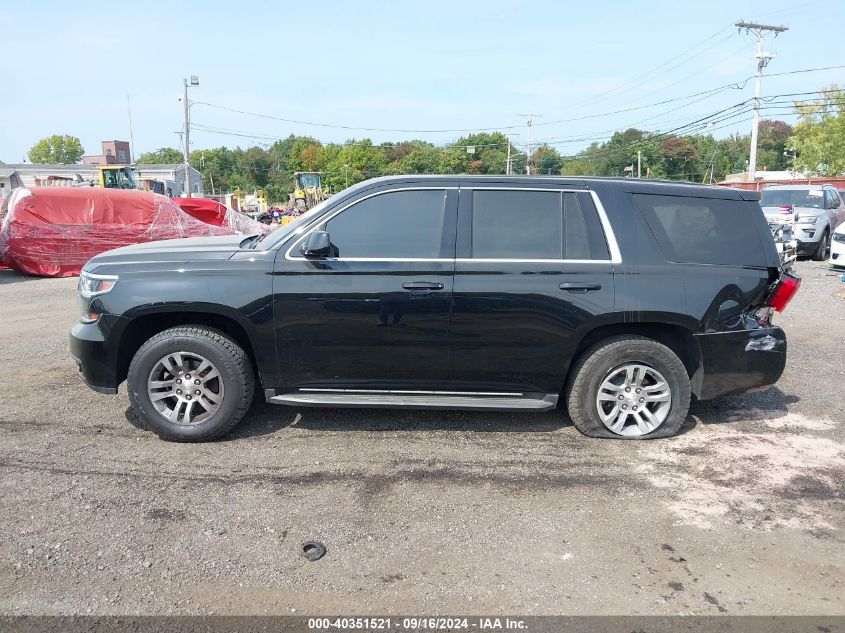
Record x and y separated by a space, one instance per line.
633 399
185 388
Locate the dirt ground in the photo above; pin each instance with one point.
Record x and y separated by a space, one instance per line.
421 512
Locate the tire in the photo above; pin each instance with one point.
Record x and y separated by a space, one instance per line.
609 363
820 254
226 388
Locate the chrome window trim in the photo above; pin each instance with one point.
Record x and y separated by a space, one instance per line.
479 260
351 203
610 237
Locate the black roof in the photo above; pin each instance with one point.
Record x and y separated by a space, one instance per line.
641 185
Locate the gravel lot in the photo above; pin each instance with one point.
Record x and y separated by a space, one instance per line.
421 512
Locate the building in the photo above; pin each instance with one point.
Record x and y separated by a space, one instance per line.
743 180
47 175
173 177
114 153
9 179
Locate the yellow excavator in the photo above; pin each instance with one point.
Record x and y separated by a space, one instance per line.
308 190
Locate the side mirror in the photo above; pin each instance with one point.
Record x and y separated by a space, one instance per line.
317 244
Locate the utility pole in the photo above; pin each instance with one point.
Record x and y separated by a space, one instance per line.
131 138
508 161
187 147
529 122
763 58
639 163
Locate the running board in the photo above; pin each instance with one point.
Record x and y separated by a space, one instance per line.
416 400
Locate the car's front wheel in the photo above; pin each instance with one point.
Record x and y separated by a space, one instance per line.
820 253
628 387
190 383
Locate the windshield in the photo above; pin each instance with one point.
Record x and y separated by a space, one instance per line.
118 179
310 180
812 198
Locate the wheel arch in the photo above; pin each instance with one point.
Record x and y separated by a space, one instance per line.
674 336
144 326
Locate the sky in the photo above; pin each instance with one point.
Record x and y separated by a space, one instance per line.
436 69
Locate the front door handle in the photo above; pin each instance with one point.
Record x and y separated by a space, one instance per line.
578 286
422 285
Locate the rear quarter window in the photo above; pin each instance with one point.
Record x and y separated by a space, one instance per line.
704 230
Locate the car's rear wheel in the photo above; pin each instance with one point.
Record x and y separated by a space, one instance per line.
820 254
628 387
190 384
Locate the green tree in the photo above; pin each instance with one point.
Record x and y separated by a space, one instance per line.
254 163
217 166
771 144
422 159
546 160
58 148
819 136
162 156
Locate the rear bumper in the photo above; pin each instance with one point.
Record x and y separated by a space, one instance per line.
738 362
93 358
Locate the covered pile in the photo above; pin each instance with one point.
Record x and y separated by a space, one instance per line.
53 231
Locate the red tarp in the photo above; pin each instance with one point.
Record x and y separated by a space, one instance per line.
217 214
53 231
203 209
3 208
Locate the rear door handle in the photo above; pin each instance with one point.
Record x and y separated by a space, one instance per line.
579 286
422 285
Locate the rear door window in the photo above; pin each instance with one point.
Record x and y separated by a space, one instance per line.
524 225
704 230
517 225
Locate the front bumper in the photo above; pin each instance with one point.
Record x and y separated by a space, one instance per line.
837 253
93 357
808 245
807 248
738 362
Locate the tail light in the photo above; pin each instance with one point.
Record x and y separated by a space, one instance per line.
783 292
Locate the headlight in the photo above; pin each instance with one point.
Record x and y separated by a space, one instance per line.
810 219
91 285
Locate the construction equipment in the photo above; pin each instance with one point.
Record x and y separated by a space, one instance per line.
117 177
251 202
308 190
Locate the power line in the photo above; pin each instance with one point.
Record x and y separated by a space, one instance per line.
738 85
638 80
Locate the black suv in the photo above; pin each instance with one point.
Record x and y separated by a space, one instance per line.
622 298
